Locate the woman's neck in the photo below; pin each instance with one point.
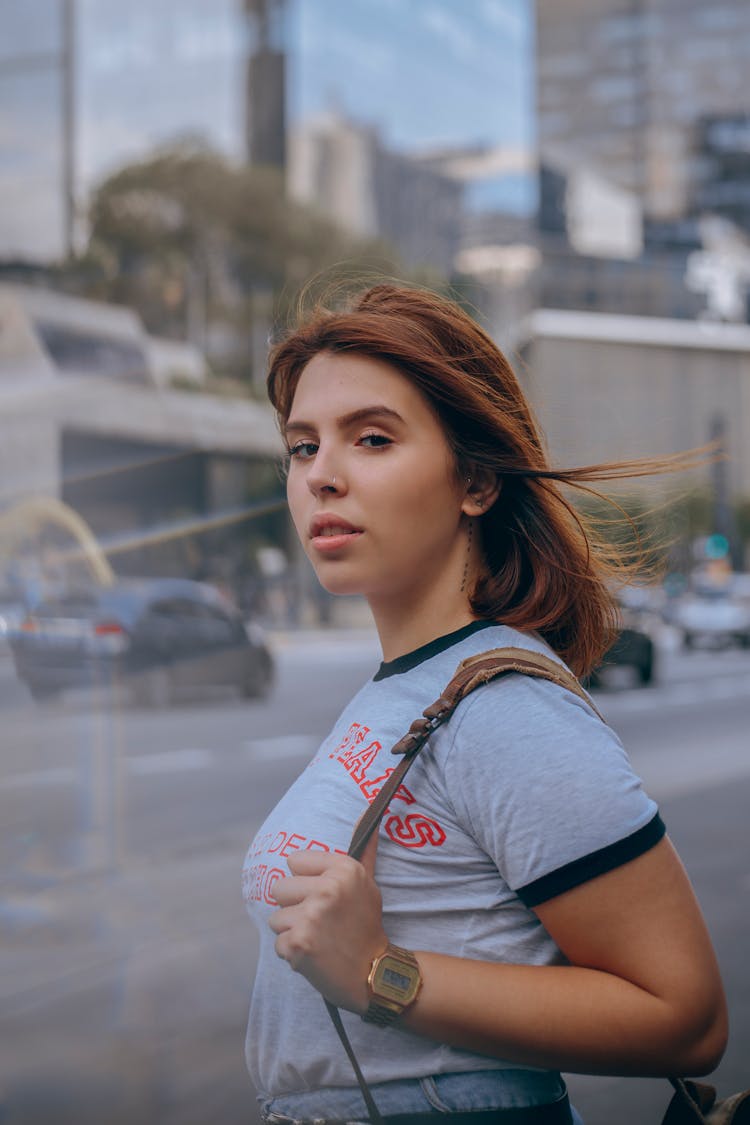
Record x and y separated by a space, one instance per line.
404 625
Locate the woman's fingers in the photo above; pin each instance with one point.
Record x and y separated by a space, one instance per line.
320 874
315 862
283 919
294 889
329 922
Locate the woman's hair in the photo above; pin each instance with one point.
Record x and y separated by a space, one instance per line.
545 570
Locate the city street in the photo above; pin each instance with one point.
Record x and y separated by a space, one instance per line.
127 958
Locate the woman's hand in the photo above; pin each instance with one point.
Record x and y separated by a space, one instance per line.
330 924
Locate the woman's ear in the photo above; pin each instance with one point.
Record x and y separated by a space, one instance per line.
482 490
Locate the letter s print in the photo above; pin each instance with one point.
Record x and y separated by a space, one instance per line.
414 831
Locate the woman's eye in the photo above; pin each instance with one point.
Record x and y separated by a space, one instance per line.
303 450
375 441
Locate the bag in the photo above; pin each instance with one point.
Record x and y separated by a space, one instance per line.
693 1103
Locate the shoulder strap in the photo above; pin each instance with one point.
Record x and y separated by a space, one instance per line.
470 674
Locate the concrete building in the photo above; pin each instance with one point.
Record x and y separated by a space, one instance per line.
646 100
265 104
628 88
610 387
88 416
343 169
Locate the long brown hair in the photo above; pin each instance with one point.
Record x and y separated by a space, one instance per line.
546 571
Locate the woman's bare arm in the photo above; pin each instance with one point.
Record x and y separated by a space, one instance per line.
641 995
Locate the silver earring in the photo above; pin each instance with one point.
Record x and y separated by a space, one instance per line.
333 482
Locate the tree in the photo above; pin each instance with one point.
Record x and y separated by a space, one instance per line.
203 249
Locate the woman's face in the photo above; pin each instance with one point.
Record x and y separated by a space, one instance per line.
372 486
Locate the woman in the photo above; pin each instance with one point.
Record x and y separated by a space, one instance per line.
540 917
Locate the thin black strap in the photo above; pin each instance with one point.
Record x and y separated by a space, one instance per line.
470 674
372 1109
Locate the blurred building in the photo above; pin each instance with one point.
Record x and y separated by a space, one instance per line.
344 170
89 415
648 98
608 387
266 82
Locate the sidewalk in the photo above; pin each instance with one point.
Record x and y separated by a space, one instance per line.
124 997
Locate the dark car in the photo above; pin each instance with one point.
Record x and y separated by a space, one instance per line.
160 637
634 649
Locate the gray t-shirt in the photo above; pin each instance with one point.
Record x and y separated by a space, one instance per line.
524 794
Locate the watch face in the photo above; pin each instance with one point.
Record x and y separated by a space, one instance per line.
395 980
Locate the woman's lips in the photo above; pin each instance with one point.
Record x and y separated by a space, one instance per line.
334 540
331 532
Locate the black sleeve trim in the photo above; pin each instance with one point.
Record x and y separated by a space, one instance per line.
589 866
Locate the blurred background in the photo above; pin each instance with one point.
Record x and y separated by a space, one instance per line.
172 175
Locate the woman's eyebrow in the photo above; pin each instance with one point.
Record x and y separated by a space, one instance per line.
362 414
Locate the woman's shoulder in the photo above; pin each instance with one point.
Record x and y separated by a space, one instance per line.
519 709
504 637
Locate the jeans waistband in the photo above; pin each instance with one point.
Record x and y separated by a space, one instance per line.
554 1113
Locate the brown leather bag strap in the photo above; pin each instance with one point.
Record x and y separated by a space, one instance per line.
470 674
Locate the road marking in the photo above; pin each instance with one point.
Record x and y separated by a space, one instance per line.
140 765
169 761
280 747
62 775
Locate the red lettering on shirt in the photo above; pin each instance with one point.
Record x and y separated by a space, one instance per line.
414 831
278 842
291 845
372 787
271 879
353 737
357 764
357 756
258 883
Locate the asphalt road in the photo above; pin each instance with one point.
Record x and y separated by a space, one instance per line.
127 959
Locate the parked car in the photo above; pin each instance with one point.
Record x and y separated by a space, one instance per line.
715 617
11 613
160 637
633 648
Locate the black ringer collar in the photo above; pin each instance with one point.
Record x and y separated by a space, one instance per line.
432 648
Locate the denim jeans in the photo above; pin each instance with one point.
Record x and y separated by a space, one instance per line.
440 1093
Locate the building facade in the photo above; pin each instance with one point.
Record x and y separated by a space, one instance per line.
649 97
611 387
265 103
343 169
630 88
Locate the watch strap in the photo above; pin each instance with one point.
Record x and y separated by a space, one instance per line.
382 1012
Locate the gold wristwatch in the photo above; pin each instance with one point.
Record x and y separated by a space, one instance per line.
394 983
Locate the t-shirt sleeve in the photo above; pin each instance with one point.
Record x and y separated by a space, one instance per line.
545 787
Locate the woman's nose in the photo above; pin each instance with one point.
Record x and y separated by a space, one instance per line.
324 478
